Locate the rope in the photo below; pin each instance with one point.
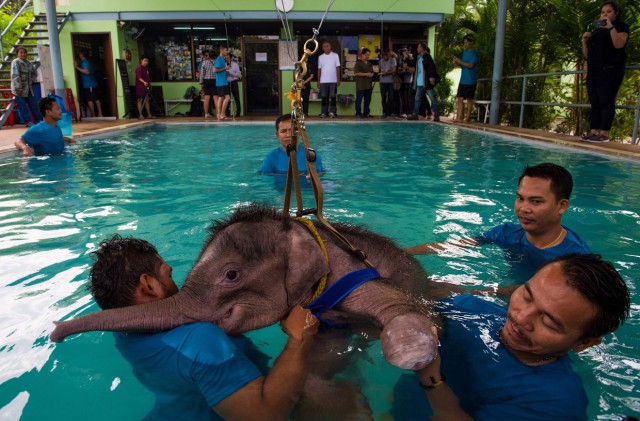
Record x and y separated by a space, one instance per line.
298 130
287 32
322 284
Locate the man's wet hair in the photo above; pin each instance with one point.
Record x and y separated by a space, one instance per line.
561 179
424 45
469 38
223 47
21 48
283 117
118 264
365 51
601 284
45 104
142 57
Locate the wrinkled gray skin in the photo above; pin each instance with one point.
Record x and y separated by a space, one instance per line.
257 264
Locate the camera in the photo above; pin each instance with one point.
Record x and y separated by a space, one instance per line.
599 23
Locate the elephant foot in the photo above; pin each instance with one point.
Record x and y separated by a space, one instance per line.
408 343
324 400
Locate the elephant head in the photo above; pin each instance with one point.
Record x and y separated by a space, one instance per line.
253 268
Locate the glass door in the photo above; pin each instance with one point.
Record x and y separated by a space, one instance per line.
262 78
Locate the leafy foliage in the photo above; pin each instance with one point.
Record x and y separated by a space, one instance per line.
6 15
541 36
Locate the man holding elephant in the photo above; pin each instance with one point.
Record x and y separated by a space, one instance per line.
511 363
541 201
195 368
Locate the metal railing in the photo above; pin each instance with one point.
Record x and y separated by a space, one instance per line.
17 15
523 102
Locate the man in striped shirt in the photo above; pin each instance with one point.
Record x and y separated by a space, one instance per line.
208 82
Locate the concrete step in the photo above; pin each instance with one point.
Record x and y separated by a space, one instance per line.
29 53
35 30
31 37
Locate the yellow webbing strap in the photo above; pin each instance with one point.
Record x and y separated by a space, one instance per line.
322 284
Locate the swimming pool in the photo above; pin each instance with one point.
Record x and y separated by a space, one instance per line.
412 182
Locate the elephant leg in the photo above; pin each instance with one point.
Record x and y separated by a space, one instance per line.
325 400
335 352
407 339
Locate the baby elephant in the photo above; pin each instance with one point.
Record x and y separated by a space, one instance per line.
258 263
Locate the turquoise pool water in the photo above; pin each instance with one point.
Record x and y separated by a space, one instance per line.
412 182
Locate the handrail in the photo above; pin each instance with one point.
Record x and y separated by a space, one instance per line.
17 15
523 103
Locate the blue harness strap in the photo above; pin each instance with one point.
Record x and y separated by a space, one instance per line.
340 289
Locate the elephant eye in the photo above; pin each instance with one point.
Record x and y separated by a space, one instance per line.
232 275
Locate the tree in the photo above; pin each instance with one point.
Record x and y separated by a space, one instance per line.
541 36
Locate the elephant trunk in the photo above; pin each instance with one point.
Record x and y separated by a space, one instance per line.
150 317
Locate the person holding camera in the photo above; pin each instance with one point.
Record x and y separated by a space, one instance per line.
604 49
143 86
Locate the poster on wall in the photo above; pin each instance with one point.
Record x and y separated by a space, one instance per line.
45 74
261 56
372 42
287 51
178 60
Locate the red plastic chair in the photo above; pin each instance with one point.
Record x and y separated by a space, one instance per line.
10 121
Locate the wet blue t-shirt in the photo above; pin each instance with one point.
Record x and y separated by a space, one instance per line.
44 139
489 381
277 162
524 256
190 369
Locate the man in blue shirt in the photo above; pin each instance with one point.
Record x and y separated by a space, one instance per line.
222 85
89 83
469 78
512 364
195 370
277 161
45 138
542 198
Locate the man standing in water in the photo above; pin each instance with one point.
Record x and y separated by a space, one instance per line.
541 200
512 364
195 370
45 138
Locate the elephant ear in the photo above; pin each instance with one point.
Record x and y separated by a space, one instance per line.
306 265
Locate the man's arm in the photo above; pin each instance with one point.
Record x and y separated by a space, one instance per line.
273 397
69 139
435 248
443 400
338 72
22 146
80 68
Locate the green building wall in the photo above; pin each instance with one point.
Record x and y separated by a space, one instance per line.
175 90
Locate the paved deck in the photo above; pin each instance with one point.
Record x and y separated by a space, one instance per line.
8 135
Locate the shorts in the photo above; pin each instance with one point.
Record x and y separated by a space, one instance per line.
209 87
223 90
466 91
91 94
